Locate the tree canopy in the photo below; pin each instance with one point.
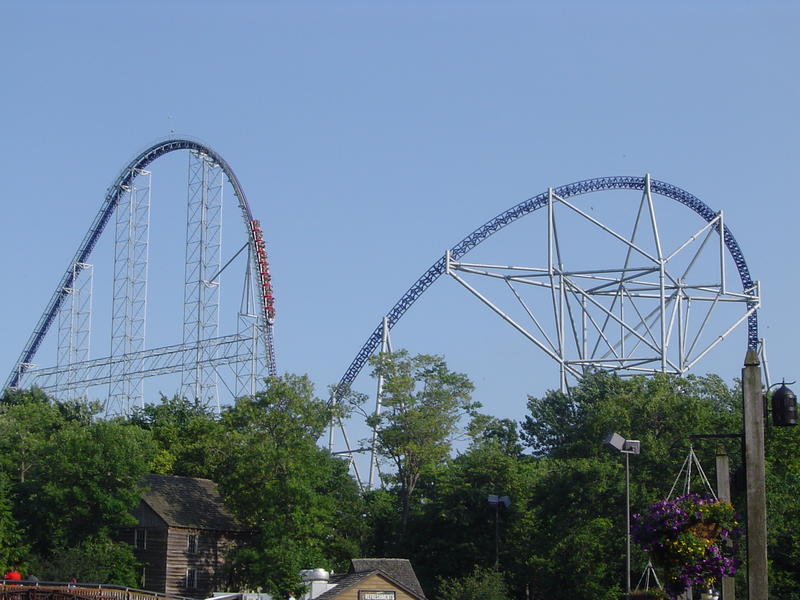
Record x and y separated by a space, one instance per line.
299 499
68 480
423 402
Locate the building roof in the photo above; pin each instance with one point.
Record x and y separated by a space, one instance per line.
353 579
189 502
398 569
342 583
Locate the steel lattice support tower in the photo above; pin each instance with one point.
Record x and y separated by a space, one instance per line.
129 302
201 286
75 323
253 327
214 359
248 372
644 184
632 306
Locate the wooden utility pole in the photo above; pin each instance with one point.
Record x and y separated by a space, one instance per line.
753 404
724 493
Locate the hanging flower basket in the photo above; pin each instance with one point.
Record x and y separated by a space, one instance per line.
651 594
688 538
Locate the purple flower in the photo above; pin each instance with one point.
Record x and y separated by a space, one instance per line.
673 531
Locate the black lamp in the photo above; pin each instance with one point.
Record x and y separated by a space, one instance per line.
784 407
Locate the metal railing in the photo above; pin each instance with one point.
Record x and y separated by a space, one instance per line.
42 590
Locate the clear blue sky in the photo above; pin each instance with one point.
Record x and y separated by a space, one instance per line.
371 136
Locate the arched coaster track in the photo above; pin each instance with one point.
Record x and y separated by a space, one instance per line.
120 187
644 184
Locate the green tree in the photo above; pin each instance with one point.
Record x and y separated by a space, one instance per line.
783 512
185 432
575 531
12 549
423 403
481 584
456 507
502 433
579 503
661 411
88 485
28 420
71 478
96 559
303 506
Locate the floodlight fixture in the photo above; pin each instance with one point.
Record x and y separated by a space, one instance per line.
496 500
619 443
626 447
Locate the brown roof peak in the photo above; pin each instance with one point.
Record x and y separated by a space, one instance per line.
189 502
399 569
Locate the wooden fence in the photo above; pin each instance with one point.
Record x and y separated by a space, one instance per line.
28 590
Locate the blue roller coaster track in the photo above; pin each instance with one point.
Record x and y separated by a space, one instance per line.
524 208
110 203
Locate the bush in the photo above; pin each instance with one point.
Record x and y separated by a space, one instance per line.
95 560
481 584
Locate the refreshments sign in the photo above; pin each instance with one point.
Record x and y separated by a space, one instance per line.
364 595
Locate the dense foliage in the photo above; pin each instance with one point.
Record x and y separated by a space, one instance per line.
299 500
68 481
71 482
423 402
481 584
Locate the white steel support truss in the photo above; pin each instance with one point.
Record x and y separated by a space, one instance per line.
201 288
129 302
249 373
651 312
226 350
350 453
209 359
374 467
239 361
75 322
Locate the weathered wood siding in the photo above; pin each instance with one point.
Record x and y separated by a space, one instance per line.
167 557
374 583
153 555
208 561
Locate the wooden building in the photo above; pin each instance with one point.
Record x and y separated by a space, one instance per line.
375 579
183 532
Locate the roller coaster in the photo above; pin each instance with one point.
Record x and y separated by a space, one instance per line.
202 353
606 288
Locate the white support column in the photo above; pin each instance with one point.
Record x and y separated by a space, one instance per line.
129 303
373 462
203 258
662 293
561 334
722 253
74 324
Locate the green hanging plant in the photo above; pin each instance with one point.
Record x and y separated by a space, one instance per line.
688 538
651 594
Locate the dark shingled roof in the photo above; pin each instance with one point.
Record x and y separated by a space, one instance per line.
188 502
352 579
399 569
342 583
